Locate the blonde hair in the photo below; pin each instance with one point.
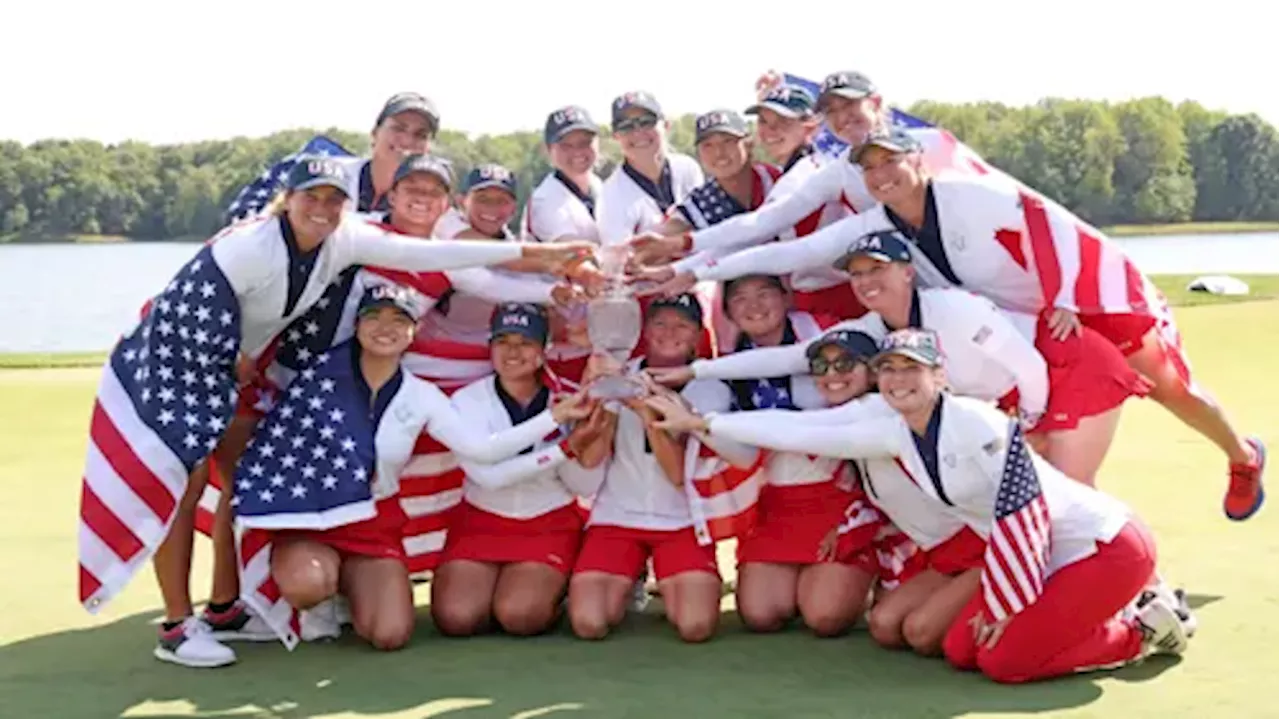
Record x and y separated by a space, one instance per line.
276 208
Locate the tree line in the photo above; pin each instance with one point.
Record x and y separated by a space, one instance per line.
1141 161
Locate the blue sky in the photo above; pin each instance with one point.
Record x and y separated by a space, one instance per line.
169 72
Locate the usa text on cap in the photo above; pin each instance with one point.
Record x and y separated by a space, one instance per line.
524 319
314 171
857 345
410 102
638 99
490 174
726 121
686 304
915 344
893 140
566 120
435 166
848 84
400 297
786 100
885 245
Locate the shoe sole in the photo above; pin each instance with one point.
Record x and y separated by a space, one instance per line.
1261 449
165 655
242 637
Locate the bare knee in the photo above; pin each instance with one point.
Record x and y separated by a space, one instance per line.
828 621
455 617
590 622
524 614
763 616
922 633
885 626
384 631
696 627
304 584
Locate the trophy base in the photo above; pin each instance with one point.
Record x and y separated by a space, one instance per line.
614 387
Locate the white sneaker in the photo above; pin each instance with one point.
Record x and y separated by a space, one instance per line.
1162 630
191 645
341 610
319 622
238 624
1176 598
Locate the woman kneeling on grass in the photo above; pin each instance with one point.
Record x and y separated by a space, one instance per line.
322 472
1083 555
642 511
514 539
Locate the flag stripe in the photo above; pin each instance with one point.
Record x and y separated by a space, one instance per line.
1042 248
120 456
107 527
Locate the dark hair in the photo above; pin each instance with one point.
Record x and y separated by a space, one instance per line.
729 286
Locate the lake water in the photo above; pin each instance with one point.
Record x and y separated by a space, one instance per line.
77 298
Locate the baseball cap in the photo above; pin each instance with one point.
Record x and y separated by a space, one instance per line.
726 121
786 100
916 344
522 318
566 120
857 345
429 164
846 83
686 304
390 295
894 139
635 99
410 102
884 245
314 171
490 174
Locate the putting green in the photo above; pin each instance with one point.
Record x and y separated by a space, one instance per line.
56 661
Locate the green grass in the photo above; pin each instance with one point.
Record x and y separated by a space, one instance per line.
51 360
1174 287
1191 228
57 661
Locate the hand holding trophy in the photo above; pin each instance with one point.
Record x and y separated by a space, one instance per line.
613 325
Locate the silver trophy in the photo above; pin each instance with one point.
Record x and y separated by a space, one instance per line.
613 325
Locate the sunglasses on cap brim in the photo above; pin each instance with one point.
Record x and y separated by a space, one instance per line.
636 123
843 364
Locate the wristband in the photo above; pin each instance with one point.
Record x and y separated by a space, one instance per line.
567 448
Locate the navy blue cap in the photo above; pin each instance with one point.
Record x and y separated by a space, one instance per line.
894 139
490 174
686 304
726 121
884 245
846 83
522 318
786 100
567 120
410 102
857 345
437 166
392 295
916 344
637 99
314 171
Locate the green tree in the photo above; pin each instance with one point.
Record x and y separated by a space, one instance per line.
1153 177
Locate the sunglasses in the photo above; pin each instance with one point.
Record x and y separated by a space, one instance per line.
632 124
843 364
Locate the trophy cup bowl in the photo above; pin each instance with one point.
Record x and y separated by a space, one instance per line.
613 326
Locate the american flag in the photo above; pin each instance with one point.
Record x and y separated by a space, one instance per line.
826 141
310 458
1017 553
166 394
709 204
255 195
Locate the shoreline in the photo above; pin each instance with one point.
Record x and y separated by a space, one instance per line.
1123 231
1262 288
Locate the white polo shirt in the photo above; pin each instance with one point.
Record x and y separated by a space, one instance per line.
557 211
628 208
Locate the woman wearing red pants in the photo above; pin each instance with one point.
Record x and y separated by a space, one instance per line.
1054 608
